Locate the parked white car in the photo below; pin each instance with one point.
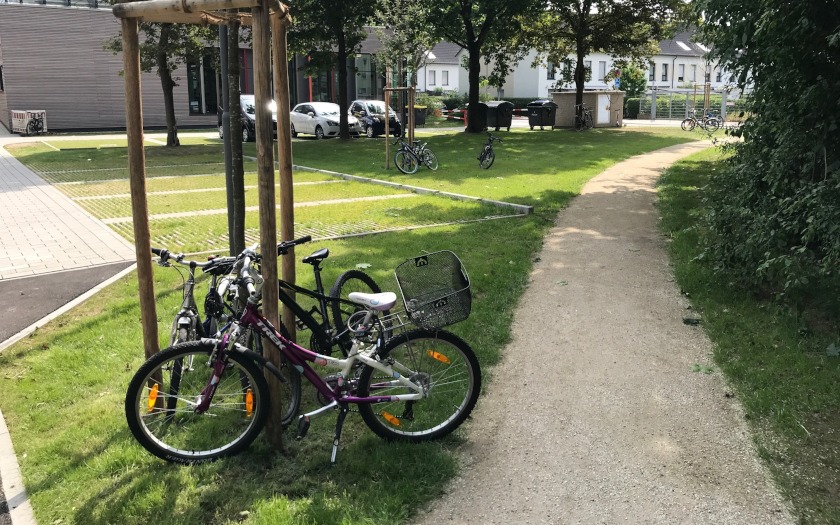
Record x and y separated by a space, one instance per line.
320 119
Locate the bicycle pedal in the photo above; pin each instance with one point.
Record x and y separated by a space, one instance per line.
303 427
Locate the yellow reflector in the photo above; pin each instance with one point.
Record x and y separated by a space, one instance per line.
249 402
153 397
390 419
438 356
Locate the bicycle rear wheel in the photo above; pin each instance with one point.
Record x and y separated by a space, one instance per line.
406 162
447 369
712 125
430 159
177 433
486 159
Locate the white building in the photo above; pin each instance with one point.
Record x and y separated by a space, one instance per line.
680 63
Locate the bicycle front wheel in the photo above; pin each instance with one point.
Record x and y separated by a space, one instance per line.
688 124
430 159
164 421
447 369
406 162
486 159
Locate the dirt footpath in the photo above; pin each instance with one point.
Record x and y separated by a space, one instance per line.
595 414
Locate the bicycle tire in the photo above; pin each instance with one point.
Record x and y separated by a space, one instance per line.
434 356
178 434
487 159
587 120
688 124
290 394
31 128
712 125
578 124
406 162
430 159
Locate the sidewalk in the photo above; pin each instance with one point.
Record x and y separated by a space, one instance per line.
51 253
594 414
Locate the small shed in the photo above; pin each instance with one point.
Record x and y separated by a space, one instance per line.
607 108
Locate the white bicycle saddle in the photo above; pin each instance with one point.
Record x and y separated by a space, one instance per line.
375 301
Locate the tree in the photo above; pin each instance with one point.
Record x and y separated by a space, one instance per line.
628 30
775 211
164 47
404 40
633 80
330 32
487 29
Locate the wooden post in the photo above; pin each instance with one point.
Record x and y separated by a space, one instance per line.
137 180
265 184
280 55
387 98
411 115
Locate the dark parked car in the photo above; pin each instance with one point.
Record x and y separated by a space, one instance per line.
371 115
248 114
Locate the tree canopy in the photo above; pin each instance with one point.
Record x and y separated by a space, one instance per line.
628 30
488 30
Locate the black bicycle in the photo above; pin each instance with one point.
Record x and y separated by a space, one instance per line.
487 155
35 126
583 117
410 156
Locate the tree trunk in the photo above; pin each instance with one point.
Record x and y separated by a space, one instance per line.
236 159
341 66
473 124
168 86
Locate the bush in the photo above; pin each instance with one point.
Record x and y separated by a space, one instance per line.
430 102
454 100
631 107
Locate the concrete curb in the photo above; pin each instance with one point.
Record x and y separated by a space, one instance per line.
20 510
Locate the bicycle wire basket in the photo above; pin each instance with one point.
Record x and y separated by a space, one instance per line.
435 289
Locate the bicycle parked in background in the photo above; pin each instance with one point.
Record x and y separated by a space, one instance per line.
709 122
583 117
410 156
35 126
487 155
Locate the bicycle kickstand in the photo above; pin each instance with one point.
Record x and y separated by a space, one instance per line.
338 425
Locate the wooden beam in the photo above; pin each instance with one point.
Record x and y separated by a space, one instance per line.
169 7
202 18
137 180
280 56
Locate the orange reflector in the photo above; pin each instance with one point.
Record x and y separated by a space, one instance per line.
438 356
390 419
249 402
153 397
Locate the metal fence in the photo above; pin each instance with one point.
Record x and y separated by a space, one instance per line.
676 104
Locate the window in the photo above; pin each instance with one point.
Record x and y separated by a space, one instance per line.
681 72
444 78
665 72
587 65
719 76
201 83
602 69
708 76
694 72
431 77
550 75
652 72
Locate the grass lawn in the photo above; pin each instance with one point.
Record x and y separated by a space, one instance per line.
783 364
63 387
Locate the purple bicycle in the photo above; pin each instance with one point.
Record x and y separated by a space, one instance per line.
419 384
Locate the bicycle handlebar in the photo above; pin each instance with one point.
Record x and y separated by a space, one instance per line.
283 246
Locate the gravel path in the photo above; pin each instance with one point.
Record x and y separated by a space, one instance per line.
595 414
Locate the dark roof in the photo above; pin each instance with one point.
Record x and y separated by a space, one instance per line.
682 44
371 44
446 53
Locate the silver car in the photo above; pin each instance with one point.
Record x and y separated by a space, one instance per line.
320 119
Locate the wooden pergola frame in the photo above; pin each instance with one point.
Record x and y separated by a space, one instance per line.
269 20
